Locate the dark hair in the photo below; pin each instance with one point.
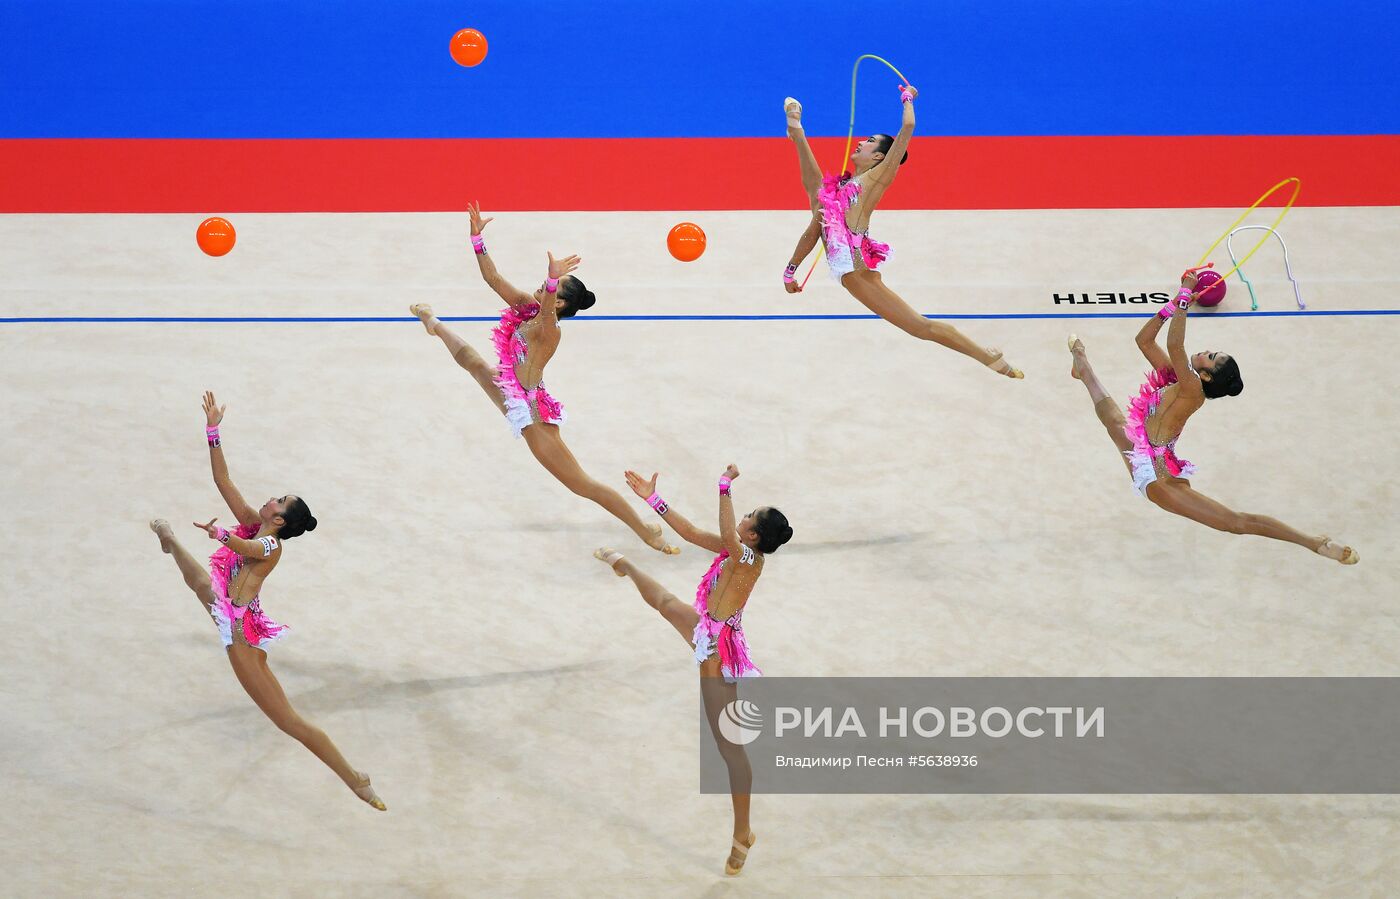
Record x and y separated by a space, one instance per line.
1224 380
883 142
773 530
575 296
296 519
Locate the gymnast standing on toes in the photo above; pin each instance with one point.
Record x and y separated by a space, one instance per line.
525 340
229 592
841 210
713 626
1176 388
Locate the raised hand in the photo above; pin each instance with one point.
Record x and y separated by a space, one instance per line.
558 268
907 92
1189 278
478 223
213 412
642 488
731 472
209 528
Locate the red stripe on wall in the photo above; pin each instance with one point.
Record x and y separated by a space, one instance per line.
680 174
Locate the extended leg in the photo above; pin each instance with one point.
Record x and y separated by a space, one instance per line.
1182 500
548 447
250 665
870 289
1110 416
196 577
462 353
717 695
681 616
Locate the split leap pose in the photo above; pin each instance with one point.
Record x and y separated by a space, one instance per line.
229 593
841 210
713 624
1176 388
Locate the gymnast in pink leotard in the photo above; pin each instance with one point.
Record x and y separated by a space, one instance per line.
1145 437
525 340
841 210
713 624
230 590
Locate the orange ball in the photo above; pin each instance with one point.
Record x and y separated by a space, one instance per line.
215 236
468 47
686 241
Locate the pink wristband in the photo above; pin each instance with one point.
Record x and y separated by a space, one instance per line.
905 95
789 274
657 503
479 245
551 285
724 486
222 535
212 435
1184 298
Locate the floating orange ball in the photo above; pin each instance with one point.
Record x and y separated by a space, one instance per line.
686 241
215 236
468 47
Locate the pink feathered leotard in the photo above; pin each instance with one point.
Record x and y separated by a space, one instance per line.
725 637
836 196
1148 460
258 629
524 407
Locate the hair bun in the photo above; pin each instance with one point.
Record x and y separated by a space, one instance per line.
311 523
586 300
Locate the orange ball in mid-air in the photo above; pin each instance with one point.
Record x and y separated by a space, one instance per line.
215 236
468 47
686 241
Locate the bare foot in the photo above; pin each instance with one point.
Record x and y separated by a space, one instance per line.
425 314
366 792
794 113
1337 552
611 556
161 527
738 854
1081 360
1001 366
658 544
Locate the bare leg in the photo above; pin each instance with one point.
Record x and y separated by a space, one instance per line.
870 289
462 353
806 159
250 665
1110 416
549 449
1181 499
196 577
716 695
681 616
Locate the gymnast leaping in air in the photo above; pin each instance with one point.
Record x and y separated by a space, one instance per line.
841 210
713 624
229 592
525 341
1176 388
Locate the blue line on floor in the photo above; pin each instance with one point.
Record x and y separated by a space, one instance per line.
339 319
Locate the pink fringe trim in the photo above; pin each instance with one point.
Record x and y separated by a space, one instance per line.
1140 409
511 349
835 197
258 629
728 635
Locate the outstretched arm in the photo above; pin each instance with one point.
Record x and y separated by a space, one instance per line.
507 291
889 166
1147 342
1176 338
549 292
805 243
728 524
678 522
258 548
213 414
